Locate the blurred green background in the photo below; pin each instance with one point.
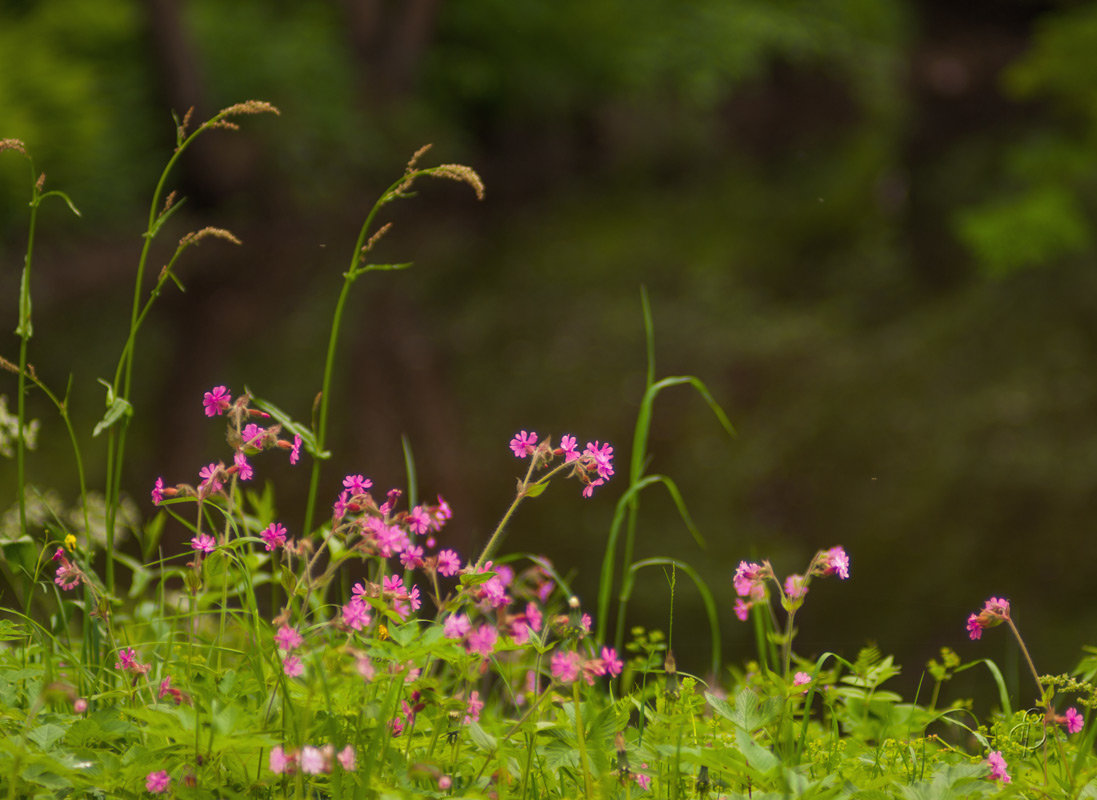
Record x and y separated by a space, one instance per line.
867 225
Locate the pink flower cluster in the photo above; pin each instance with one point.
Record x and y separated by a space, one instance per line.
288 640
567 665
157 782
995 612
311 760
127 662
750 579
593 467
250 439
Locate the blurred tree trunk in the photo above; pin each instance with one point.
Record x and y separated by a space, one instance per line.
388 39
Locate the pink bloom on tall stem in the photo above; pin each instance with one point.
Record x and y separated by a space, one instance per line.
742 609
523 443
998 767
295 453
588 490
565 666
216 401
204 543
748 575
158 492
68 575
273 536
157 782
210 480
995 612
456 626
613 664
568 446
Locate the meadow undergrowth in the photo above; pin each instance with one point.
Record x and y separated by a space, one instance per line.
362 656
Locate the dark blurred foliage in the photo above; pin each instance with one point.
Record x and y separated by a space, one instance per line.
867 225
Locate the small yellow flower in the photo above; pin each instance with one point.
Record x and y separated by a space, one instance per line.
70 542
382 631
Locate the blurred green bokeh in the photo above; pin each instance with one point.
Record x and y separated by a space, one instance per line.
868 226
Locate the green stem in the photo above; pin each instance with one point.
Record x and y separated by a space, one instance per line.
584 761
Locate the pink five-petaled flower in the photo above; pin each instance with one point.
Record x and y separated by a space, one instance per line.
612 663
288 638
796 586
523 443
456 626
356 614
274 535
204 543
293 667
313 761
216 401
565 666
158 492
995 612
157 782
998 767
448 563
210 480
253 435
568 448
357 484
1073 720
243 468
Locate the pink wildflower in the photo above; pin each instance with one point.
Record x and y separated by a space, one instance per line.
158 492
448 563
210 479
347 758
642 780
998 767
801 679
68 575
295 453
444 782
748 578
412 557
293 667
742 609
288 638
243 468
568 449
833 562
157 782
482 640
216 401
602 454
456 626
365 667
796 587
523 444
1073 721
475 704
253 435
273 536
534 617
357 484
418 521
565 666
280 761
313 761
356 614
204 543
613 664
995 612
127 659
79 705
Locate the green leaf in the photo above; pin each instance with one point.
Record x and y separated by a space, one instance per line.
482 738
117 407
63 196
307 438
